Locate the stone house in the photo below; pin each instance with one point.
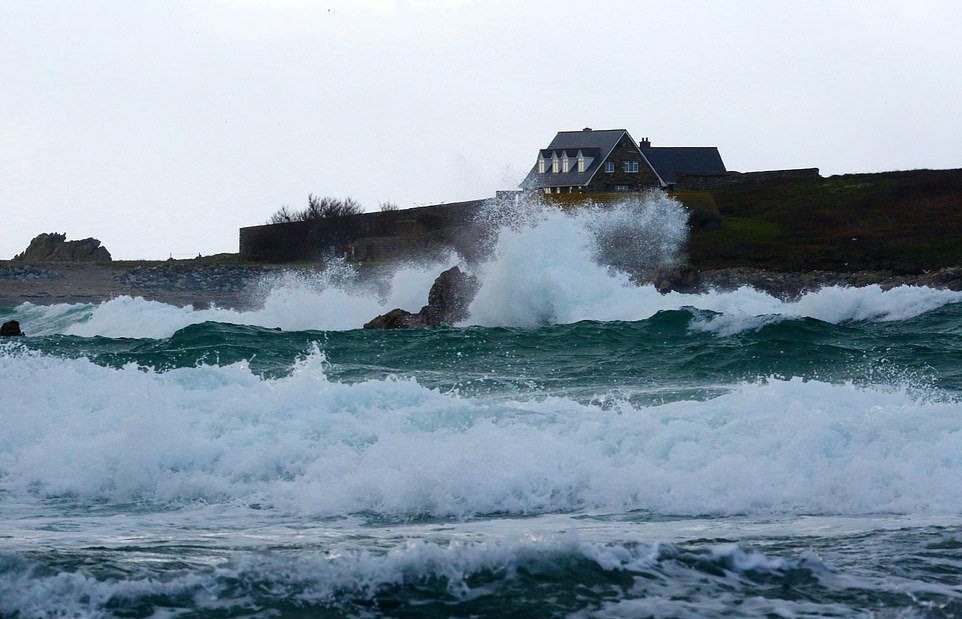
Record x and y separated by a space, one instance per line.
610 160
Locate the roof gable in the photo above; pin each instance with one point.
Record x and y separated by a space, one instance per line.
595 145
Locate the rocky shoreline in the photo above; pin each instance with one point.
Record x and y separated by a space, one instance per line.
241 285
789 286
175 282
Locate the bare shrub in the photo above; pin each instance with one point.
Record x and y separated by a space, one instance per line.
318 208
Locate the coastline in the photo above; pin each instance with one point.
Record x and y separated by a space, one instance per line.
177 283
241 286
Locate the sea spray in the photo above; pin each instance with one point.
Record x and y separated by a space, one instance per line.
334 299
543 266
554 266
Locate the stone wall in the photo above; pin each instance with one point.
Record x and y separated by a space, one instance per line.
703 182
391 235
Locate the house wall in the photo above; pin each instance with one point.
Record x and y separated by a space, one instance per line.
626 150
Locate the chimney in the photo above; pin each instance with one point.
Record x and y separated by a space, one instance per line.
645 143
587 129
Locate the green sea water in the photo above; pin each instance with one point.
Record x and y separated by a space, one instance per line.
581 446
795 467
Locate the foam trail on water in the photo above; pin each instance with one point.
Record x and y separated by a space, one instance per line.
462 569
304 444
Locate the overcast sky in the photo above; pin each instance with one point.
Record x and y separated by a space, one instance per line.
162 127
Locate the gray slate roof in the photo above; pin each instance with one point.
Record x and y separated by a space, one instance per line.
599 142
669 161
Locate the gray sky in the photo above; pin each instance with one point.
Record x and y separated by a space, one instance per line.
165 126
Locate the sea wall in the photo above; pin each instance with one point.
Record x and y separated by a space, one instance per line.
704 182
784 220
389 235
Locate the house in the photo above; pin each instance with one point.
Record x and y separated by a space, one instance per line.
610 160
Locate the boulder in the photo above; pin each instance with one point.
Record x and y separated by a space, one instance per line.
53 247
395 319
10 328
448 301
449 298
677 279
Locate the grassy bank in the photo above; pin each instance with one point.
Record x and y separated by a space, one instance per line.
906 222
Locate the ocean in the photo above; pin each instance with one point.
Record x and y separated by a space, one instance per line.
581 447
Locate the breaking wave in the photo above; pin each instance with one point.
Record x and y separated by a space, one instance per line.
303 444
546 266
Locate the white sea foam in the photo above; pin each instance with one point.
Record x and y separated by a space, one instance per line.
306 445
545 268
334 300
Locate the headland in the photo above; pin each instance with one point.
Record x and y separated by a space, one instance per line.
784 233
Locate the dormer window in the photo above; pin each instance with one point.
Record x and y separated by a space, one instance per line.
565 166
554 163
541 165
581 162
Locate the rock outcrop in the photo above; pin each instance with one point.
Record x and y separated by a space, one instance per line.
10 328
53 247
676 279
397 319
448 301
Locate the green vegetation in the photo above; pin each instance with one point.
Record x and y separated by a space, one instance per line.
905 222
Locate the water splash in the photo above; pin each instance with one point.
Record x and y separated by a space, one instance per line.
543 266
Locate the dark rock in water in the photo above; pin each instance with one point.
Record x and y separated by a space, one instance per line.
677 279
448 301
53 247
449 298
10 329
395 319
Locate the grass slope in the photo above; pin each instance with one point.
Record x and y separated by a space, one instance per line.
905 222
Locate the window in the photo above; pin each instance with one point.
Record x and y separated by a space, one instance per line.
581 162
540 165
565 166
554 164
547 189
621 188
609 166
631 166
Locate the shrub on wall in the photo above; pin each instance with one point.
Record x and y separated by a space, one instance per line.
317 208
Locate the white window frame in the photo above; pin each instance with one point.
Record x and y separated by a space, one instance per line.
609 167
554 164
581 162
565 164
541 165
631 167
